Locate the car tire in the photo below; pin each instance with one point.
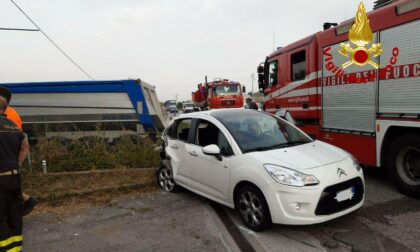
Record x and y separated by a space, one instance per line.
165 179
253 208
404 164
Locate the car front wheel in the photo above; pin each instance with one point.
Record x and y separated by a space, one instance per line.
253 208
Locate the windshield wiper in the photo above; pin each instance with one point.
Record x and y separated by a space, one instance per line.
277 146
298 142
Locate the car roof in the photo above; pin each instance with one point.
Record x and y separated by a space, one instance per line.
217 113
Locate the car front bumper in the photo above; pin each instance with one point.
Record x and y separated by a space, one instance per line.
315 204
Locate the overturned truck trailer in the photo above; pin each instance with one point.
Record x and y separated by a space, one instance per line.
75 109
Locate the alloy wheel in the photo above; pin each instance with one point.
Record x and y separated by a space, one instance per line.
251 209
166 181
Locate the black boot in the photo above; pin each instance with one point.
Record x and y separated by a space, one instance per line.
29 205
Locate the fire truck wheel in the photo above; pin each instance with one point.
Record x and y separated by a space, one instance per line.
404 164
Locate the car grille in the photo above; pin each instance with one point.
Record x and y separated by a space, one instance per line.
228 102
329 205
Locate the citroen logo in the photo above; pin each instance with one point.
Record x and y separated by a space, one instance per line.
341 172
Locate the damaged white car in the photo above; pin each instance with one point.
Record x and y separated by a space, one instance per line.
261 165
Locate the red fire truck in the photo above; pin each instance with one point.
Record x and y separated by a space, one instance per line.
372 113
219 94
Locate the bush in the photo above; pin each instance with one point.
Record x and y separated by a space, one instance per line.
91 153
135 154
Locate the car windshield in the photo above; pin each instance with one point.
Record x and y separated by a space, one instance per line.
230 89
258 131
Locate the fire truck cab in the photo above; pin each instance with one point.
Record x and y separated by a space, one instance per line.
219 94
225 94
372 113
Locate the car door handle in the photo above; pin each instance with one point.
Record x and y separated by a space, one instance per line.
174 146
193 153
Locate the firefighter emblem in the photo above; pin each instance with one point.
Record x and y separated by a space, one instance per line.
360 35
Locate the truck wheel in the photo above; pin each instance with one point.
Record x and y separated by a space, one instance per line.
404 164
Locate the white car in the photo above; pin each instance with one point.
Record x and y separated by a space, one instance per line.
188 108
261 165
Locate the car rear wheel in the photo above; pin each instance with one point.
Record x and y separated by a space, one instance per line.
165 180
253 208
404 164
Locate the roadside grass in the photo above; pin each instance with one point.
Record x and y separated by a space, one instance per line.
89 170
65 191
93 153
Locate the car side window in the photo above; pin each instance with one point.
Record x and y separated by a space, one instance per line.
207 133
183 129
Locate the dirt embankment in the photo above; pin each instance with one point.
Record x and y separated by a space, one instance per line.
63 192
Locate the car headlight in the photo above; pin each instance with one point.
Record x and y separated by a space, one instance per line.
355 163
287 176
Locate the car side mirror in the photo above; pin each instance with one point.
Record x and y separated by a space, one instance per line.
260 69
261 82
212 150
243 89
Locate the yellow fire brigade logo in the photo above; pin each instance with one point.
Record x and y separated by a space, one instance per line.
360 34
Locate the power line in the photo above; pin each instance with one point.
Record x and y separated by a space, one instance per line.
52 41
17 29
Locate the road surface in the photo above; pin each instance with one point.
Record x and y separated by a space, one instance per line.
389 221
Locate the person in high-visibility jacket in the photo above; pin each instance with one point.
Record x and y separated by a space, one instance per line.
12 115
13 151
10 112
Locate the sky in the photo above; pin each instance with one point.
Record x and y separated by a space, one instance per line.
171 44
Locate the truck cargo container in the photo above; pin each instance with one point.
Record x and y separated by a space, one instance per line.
73 107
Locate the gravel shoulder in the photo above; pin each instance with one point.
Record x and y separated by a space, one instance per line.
152 222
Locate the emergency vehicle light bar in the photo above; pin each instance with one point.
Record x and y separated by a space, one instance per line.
343 29
408 6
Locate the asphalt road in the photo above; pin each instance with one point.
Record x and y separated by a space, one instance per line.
389 221
157 222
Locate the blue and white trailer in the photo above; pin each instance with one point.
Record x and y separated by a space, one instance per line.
116 105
